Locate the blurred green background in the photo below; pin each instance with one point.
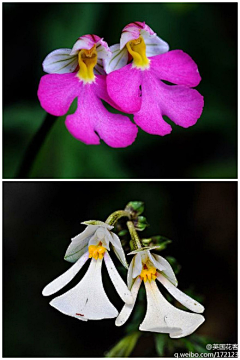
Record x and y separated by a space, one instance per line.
206 31
41 217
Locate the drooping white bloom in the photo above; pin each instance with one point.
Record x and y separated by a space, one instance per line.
161 316
88 300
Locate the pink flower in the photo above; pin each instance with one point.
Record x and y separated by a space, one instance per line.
79 73
137 87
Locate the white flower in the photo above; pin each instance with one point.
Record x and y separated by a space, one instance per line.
161 316
88 300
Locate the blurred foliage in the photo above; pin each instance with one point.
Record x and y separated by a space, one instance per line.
206 150
125 346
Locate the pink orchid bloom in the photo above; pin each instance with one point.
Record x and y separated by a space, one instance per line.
137 87
79 73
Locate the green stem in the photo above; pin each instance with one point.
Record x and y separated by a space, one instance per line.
35 146
114 217
134 235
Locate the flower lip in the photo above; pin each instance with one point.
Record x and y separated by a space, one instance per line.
137 49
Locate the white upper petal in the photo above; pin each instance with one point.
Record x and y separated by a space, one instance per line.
162 317
132 31
60 62
103 51
155 262
130 274
65 278
87 300
118 59
184 299
127 309
137 266
117 248
117 281
168 272
88 41
79 243
154 44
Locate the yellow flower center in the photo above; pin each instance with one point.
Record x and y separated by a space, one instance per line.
137 49
148 273
96 251
87 59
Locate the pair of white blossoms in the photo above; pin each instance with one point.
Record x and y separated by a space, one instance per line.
88 300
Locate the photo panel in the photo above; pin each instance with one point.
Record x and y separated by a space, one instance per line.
161 105
189 228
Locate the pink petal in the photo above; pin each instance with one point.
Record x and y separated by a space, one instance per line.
100 89
181 104
56 92
177 67
123 87
116 130
149 118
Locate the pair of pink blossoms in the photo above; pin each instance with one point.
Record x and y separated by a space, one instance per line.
128 77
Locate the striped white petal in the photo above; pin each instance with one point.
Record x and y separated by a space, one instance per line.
118 59
154 44
162 317
87 300
184 299
168 272
60 62
66 277
99 69
117 281
127 309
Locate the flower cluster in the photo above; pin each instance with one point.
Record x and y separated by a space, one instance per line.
129 76
88 300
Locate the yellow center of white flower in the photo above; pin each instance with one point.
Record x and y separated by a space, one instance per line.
87 59
137 49
96 251
148 273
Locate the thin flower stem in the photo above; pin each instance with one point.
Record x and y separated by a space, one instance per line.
34 146
114 217
134 235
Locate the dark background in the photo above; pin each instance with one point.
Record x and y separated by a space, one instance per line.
39 220
206 31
